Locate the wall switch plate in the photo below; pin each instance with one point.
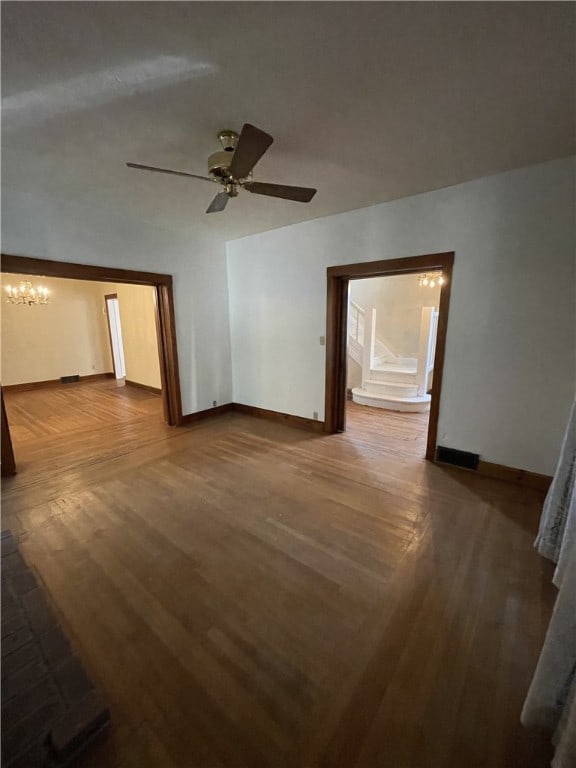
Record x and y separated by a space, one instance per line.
315 415
322 341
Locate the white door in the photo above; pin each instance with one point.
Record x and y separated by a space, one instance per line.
113 313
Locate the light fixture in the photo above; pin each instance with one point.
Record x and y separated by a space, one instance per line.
26 293
431 279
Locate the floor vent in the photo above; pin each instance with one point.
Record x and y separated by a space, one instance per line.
458 458
69 379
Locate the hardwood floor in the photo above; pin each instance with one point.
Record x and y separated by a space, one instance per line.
249 595
396 433
72 407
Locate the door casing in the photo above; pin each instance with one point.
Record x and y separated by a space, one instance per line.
165 316
338 281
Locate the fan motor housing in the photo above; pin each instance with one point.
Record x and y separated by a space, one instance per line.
219 163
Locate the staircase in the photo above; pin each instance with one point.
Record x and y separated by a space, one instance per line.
389 380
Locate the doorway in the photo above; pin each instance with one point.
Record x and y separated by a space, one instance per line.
391 338
163 323
338 296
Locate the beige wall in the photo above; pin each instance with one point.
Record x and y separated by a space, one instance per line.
69 335
65 337
138 319
398 300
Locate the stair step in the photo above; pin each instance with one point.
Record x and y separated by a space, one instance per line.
394 368
394 388
389 375
420 403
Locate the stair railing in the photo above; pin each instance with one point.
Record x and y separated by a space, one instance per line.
363 343
369 342
356 322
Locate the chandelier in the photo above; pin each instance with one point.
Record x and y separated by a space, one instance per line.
26 293
430 279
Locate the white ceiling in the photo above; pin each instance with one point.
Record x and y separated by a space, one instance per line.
367 101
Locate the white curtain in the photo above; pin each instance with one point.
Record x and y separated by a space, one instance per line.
551 699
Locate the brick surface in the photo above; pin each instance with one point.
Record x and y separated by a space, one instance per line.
55 646
35 757
11 563
15 661
39 613
16 640
9 602
9 545
28 675
72 680
23 581
27 702
17 739
78 726
12 622
45 690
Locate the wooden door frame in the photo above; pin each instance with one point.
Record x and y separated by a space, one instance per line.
165 316
8 465
338 281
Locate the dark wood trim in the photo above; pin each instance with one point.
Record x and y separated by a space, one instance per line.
55 382
336 342
8 466
512 475
439 355
218 410
338 278
169 354
106 297
162 359
25 386
406 265
509 474
166 318
25 265
147 387
300 422
310 425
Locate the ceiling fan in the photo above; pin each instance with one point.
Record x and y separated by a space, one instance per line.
232 169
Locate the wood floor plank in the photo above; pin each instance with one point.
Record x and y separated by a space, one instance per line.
248 595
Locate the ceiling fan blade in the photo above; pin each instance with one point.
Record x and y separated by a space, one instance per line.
166 170
251 146
299 194
219 203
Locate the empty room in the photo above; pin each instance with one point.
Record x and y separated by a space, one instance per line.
76 356
288 380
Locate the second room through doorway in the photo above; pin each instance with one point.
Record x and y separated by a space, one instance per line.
391 338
